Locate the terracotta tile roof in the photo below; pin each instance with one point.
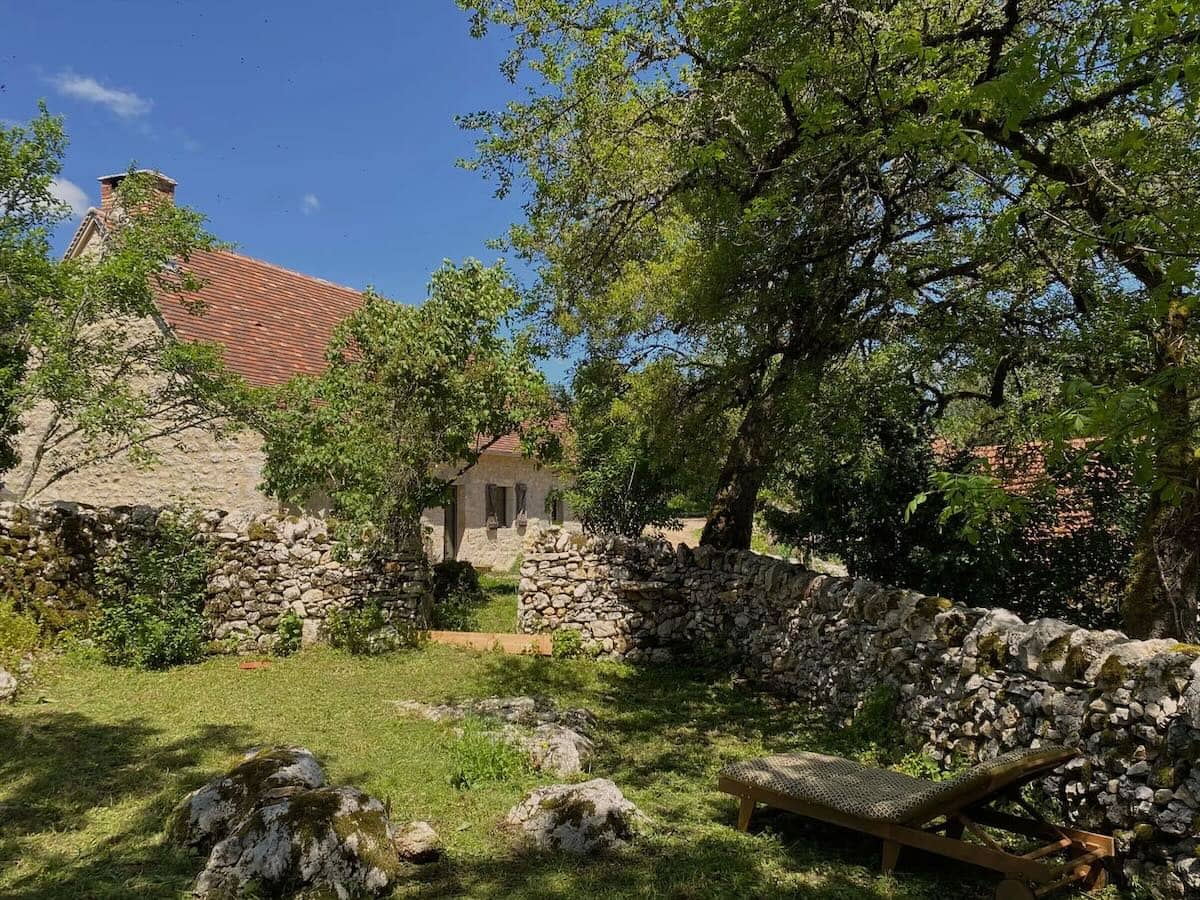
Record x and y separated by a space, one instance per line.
271 322
510 444
1022 470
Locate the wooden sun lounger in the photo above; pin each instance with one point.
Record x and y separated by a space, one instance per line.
936 816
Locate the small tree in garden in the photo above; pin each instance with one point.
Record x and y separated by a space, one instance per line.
83 348
408 400
623 477
30 158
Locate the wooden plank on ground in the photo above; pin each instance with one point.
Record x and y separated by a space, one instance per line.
536 644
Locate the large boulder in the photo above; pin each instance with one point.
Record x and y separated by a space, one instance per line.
582 819
208 814
332 840
8 687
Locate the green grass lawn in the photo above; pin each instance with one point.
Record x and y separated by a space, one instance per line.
92 759
499 611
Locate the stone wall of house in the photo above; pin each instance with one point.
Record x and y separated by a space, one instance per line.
500 547
263 565
198 469
972 682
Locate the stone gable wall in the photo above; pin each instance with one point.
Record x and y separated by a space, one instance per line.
973 683
262 566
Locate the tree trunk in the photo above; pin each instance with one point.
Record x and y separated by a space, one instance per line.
1161 599
730 521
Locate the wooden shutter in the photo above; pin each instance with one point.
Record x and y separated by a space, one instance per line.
522 489
490 505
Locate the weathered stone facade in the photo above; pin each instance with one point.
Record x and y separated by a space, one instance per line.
973 683
262 566
499 547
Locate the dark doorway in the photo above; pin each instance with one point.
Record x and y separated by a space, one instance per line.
450 532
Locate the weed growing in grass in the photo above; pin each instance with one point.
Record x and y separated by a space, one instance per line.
480 757
457 596
350 629
878 738
19 631
566 644
288 632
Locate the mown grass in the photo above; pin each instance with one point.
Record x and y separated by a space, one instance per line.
499 611
92 759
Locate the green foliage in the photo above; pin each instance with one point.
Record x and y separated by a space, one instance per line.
457 596
112 386
30 158
566 643
288 633
622 477
480 756
876 737
1011 196
350 628
151 591
855 500
19 631
408 392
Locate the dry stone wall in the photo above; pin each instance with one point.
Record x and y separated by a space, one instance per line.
263 566
973 683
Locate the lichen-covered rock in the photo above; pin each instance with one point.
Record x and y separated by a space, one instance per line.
557 749
582 819
334 839
555 740
8 687
208 814
417 842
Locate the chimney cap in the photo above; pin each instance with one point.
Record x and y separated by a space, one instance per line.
113 179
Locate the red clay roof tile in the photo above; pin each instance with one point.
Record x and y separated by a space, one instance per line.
272 323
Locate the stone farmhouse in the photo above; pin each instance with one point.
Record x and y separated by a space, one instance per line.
272 324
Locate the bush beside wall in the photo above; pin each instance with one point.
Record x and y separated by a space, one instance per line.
972 683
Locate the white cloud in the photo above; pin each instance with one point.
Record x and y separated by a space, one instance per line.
310 204
70 193
125 104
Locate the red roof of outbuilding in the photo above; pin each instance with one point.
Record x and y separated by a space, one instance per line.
272 323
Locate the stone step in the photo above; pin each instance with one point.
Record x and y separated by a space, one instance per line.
534 644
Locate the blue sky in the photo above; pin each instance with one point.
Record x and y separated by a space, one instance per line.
317 136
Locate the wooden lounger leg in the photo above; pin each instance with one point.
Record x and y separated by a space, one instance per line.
1096 878
744 812
891 853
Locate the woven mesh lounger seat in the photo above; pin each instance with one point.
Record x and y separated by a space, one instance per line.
894 806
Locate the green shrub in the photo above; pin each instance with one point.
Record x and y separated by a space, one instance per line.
150 592
566 643
457 596
365 632
288 632
351 629
19 631
479 757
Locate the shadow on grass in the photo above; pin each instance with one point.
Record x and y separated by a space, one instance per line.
665 731
59 771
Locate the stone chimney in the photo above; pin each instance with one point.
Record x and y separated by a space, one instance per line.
164 187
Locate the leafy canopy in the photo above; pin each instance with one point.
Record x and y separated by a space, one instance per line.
412 395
